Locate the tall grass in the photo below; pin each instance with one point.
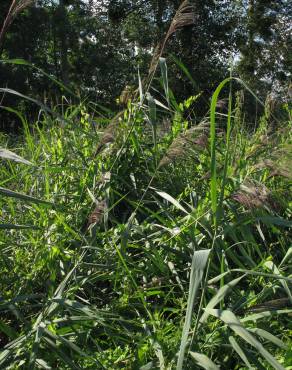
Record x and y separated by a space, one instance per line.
163 249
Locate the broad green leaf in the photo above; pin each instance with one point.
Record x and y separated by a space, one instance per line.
268 336
260 315
8 330
240 352
271 266
199 262
173 201
43 364
279 221
222 292
232 321
7 154
204 361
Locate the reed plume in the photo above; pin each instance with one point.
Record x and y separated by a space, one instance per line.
194 138
279 162
96 216
253 196
110 134
15 8
185 16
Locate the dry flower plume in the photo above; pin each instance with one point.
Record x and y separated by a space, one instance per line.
279 162
16 7
96 216
253 196
185 16
194 138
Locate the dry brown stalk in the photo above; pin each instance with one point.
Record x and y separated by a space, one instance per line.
275 304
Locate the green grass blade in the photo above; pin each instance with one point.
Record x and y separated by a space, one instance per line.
27 198
17 227
213 184
272 267
199 262
220 295
7 154
268 336
240 352
163 68
27 64
204 361
261 315
171 200
37 102
232 321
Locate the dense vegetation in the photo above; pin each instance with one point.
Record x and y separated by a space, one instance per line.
158 237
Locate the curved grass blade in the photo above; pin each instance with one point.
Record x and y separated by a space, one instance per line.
184 69
35 347
222 292
173 201
199 262
17 227
232 321
268 336
287 256
7 154
27 198
272 267
264 314
204 361
27 64
240 352
37 102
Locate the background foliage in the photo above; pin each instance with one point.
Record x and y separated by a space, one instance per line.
96 47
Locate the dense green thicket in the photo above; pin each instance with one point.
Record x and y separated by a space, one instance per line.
169 248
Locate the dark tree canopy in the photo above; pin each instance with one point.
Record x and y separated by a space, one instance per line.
96 47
